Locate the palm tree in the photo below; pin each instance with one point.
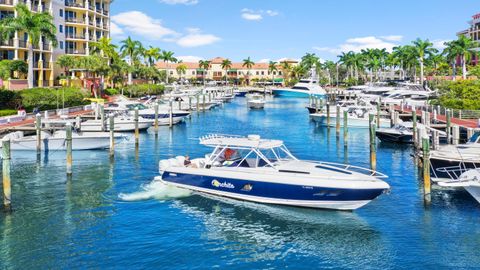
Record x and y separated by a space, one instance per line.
372 61
272 67
286 68
205 64
308 60
35 25
167 56
464 48
130 48
181 69
105 48
151 55
67 62
226 65
249 64
451 52
423 48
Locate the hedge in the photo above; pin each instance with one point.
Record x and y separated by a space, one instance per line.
48 98
460 94
138 90
9 99
7 112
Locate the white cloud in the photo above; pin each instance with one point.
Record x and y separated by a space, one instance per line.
265 60
139 23
360 43
440 43
392 38
181 2
116 31
257 15
195 38
189 58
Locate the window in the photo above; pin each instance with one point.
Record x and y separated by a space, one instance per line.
263 72
61 45
193 72
171 72
60 29
61 12
279 73
257 73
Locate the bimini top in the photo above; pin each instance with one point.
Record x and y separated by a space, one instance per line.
251 141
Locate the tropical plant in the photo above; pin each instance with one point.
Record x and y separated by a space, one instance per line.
181 69
167 57
248 63
130 48
151 55
423 48
464 47
286 68
35 25
226 65
272 67
205 65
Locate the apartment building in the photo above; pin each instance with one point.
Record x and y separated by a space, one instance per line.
473 32
237 72
78 24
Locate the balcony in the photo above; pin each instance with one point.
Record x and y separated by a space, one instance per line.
74 4
46 46
75 36
75 20
7 43
22 44
75 51
105 12
6 2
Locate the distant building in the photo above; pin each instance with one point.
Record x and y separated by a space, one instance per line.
473 32
237 72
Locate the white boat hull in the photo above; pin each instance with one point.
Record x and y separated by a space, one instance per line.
352 122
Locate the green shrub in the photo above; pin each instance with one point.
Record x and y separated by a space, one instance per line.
138 90
460 94
9 99
48 98
7 112
111 91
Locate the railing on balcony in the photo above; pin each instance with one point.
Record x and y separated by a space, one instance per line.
7 42
74 4
105 12
6 2
22 43
74 51
46 46
75 36
75 20
46 64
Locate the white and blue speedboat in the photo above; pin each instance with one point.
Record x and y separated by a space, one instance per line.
264 171
303 89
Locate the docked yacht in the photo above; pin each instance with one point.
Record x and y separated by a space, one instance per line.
401 133
468 179
304 88
122 123
57 140
264 171
255 101
358 116
149 113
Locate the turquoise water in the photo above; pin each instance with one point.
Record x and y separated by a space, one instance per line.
111 215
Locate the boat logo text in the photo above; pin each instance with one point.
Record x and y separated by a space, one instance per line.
217 184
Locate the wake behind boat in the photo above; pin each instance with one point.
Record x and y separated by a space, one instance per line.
264 171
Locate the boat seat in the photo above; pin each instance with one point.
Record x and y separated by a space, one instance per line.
180 161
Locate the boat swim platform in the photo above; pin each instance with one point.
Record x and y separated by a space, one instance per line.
463 123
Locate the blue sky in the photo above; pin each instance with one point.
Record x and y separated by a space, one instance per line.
275 29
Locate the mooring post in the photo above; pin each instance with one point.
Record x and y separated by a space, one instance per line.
38 126
316 105
112 135
137 132
426 167
469 133
392 115
78 123
7 185
69 142
203 107
345 128
171 114
337 126
373 150
455 135
180 104
448 128
378 111
155 123
102 116
190 103
328 114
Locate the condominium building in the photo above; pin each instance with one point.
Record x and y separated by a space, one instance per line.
237 71
78 23
473 32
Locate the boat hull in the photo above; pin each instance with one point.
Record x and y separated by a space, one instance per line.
294 93
274 193
395 138
474 191
59 144
436 163
352 122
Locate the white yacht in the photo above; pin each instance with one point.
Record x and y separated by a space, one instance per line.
255 101
122 123
358 116
304 88
260 170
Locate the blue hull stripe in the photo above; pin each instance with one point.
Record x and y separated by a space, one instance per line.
271 190
164 115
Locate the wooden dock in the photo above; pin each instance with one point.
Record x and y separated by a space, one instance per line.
463 123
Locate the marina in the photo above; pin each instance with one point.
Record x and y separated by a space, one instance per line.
102 205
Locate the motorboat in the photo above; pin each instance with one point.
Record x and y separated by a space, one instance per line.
465 155
358 117
57 140
122 123
262 170
256 101
469 179
304 88
240 92
400 133
146 112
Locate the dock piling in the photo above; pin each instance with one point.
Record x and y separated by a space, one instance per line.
68 141
345 128
449 124
38 126
7 185
426 168
170 122
455 135
102 116
112 135
469 133
337 125
328 114
137 132
373 150
378 111
155 123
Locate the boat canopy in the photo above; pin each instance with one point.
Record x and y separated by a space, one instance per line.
251 141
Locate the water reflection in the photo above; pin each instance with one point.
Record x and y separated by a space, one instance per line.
258 232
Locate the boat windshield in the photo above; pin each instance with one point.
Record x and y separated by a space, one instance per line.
248 157
139 106
475 137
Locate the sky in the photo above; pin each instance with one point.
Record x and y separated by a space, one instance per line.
276 29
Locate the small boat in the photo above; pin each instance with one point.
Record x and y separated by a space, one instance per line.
358 117
123 123
57 140
401 133
256 101
264 171
240 92
303 89
469 179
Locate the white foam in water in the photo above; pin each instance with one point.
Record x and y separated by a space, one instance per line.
155 190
